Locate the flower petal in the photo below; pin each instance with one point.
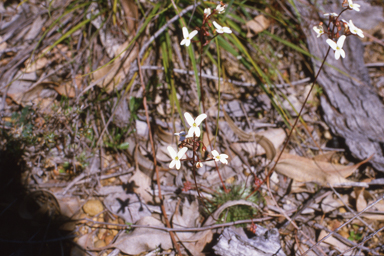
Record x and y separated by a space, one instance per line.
183 41
185 32
341 40
178 164
189 119
332 44
200 118
342 52
223 160
227 30
187 42
191 132
197 132
214 153
193 33
217 26
172 164
172 152
182 152
337 54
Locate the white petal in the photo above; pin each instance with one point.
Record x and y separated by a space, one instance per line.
223 156
185 32
172 152
217 26
183 41
182 152
200 118
189 119
187 42
227 30
191 132
178 164
332 44
341 40
193 33
214 153
342 52
172 164
360 33
223 160
337 54
197 131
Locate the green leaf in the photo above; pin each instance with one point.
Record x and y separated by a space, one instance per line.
123 146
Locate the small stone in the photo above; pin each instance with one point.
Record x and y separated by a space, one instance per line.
93 207
108 239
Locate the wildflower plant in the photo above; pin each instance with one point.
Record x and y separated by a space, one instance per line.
335 26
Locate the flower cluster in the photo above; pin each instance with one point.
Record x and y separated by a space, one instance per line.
349 29
192 140
208 14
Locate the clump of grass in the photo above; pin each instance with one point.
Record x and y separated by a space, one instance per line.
237 212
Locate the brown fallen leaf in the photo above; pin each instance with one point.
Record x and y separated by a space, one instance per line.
194 242
109 76
307 170
258 24
143 239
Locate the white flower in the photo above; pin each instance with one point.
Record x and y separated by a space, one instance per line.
207 11
353 6
337 46
220 29
194 124
355 30
219 157
187 36
176 156
220 9
319 30
333 14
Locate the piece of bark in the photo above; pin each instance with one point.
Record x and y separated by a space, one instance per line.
267 243
352 108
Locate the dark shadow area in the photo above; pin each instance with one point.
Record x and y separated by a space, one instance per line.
28 225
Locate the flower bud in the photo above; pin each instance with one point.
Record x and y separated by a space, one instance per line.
199 165
203 149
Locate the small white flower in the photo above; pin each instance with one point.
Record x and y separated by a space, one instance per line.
355 30
176 156
333 14
353 6
187 36
220 9
207 11
195 129
319 30
219 157
220 29
337 46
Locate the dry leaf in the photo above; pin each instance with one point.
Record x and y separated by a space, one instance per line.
194 242
307 170
131 14
110 76
142 185
144 239
258 24
336 243
126 206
